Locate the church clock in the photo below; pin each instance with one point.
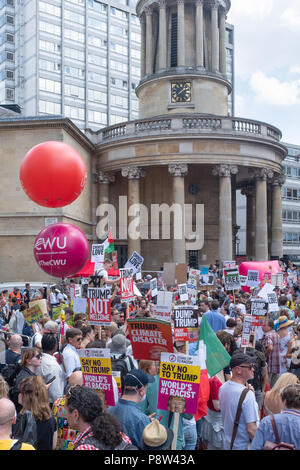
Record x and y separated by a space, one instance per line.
181 92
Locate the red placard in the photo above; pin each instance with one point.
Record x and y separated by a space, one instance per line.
126 287
149 338
99 312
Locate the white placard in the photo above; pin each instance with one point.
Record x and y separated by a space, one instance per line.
183 293
162 312
79 305
273 304
97 255
253 278
243 280
153 287
135 261
267 288
165 298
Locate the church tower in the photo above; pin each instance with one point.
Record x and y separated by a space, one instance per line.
183 57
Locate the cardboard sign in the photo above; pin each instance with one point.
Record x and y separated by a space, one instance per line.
181 270
179 383
253 278
79 305
232 279
97 372
135 261
165 298
42 304
97 255
259 308
126 288
33 314
153 287
162 312
149 338
99 311
183 293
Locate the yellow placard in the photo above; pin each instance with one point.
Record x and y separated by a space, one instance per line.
180 372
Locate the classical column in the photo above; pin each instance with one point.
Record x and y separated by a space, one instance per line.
162 35
133 173
249 192
143 46
149 41
180 34
261 214
276 232
225 209
199 34
222 41
178 172
103 179
214 37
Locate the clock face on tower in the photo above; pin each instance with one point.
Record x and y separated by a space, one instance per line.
180 92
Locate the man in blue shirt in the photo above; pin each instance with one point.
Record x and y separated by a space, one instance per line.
127 410
215 319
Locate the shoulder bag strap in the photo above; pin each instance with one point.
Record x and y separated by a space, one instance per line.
275 429
238 415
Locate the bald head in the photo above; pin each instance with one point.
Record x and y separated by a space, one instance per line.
15 342
7 412
75 379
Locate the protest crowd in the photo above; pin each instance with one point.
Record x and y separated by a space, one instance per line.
182 359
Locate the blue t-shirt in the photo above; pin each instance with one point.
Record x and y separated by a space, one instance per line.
216 320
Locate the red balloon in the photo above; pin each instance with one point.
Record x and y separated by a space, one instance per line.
53 174
61 249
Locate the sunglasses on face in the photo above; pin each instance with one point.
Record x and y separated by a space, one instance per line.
248 367
38 356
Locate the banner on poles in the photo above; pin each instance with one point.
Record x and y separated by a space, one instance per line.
99 309
97 372
179 382
149 338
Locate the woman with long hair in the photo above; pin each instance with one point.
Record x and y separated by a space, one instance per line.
33 397
31 359
272 400
98 430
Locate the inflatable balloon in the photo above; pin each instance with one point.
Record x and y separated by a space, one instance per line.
53 174
263 267
61 250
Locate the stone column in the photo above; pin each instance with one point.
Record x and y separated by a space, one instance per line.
149 42
249 192
178 171
214 37
261 214
199 34
225 209
103 179
143 46
180 34
222 42
133 173
162 36
276 232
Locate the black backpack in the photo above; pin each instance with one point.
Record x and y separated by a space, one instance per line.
256 382
10 372
119 364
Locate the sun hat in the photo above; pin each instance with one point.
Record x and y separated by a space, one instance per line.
118 344
156 437
282 322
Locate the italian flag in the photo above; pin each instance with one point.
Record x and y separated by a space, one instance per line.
109 246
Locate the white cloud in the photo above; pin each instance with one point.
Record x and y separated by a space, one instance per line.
257 9
271 91
291 19
295 69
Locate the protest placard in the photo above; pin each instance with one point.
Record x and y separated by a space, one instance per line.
259 308
204 270
277 279
183 293
126 272
97 255
33 314
149 338
232 279
273 303
97 372
42 304
162 312
135 261
79 305
243 280
253 278
153 287
99 311
186 323
229 264
267 289
179 382
165 298
181 270
114 258
246 331
117 376
206 279
168 275
126 289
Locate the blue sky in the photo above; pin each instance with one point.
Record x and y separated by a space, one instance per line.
267 63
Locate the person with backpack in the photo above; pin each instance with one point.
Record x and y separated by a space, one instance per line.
281 431
120 361
260 379
98 430
13 353
8 417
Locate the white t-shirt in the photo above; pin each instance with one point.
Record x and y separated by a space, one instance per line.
229 395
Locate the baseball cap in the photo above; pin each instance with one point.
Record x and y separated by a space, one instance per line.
239 358
138 378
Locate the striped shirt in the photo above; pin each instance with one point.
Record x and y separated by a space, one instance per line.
273 360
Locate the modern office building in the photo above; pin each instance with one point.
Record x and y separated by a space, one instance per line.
76 58
291 203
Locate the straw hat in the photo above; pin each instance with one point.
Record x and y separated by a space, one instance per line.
284 322
157 437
